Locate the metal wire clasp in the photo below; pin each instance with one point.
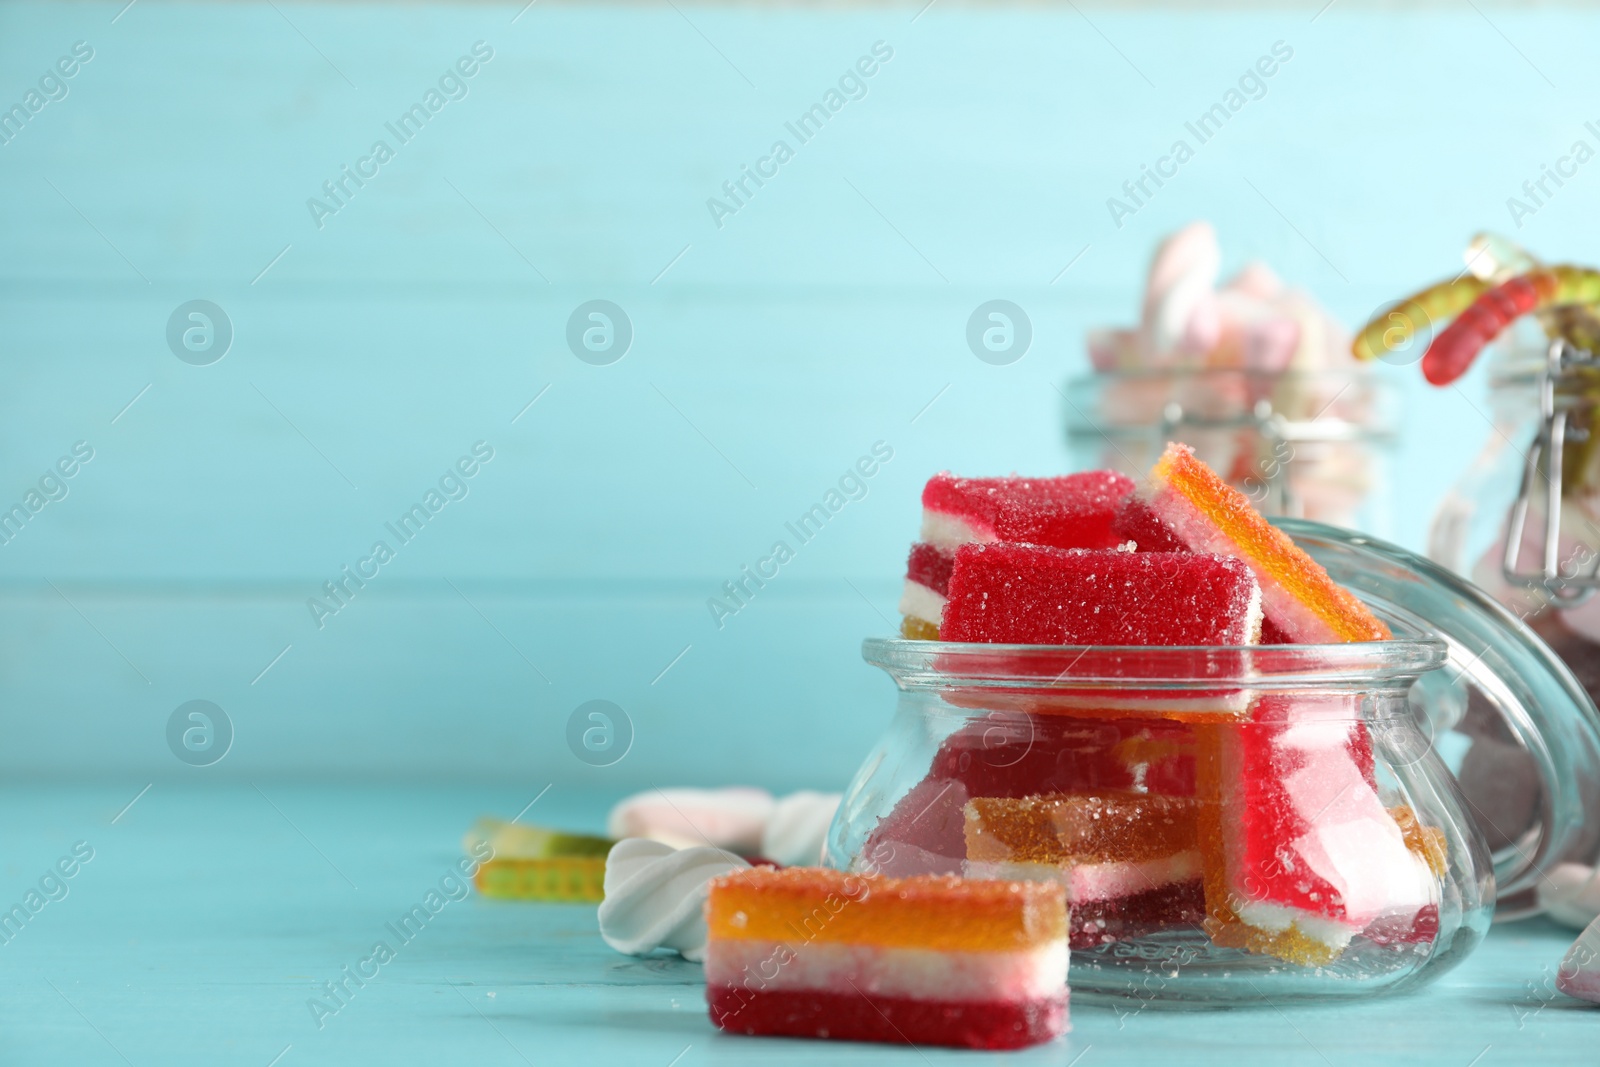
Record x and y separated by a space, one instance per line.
1544 465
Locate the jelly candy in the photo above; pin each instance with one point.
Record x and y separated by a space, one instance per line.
1071 511
1397 327
1458 344
1135 522
810 952
1130 862
926 590
1300 852
1297 596
1028 594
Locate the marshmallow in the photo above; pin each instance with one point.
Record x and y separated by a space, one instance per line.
656 896
731 818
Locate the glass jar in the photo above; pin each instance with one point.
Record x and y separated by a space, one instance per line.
1229 823
1143 729
1535 390
1539 460
1305 444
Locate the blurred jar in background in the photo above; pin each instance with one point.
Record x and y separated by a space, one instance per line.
1541 459
1256 376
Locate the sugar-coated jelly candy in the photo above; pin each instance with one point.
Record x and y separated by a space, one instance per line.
1030 594
810 952
1297 596
1135 522
926 590
1130 862
1070 511
1301 854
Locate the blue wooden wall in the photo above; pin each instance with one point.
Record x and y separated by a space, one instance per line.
769 353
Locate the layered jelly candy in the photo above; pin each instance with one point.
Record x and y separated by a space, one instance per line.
809 952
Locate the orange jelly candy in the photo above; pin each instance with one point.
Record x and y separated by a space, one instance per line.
928 911
1209 515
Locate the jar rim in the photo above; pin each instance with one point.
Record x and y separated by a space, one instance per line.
1358 665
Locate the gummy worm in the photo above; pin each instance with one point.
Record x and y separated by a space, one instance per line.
1456 346
1397 328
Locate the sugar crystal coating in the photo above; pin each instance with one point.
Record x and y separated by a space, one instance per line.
1299 848
1030 594
1209 515
1136 522
1070 511
926 588
1130 861
810 952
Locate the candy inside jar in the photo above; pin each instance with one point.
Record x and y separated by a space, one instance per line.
1310 845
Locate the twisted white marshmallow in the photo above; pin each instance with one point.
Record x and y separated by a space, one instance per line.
798 827
656 895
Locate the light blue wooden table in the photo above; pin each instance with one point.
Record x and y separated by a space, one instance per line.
209 917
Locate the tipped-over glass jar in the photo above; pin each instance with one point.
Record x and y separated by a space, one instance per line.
1230 823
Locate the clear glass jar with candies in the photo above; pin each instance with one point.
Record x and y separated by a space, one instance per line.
1148 781
1278 820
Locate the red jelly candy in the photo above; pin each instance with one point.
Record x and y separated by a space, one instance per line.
1136 522
929 566
1029 594
1073 511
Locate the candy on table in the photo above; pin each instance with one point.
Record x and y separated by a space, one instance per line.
810 952
731 818
1130 862
514 840
1579 975
1030 594
1070 511
798 827
1570 894
556 879
1304 604
926 589
533 863
1300 852
655 896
